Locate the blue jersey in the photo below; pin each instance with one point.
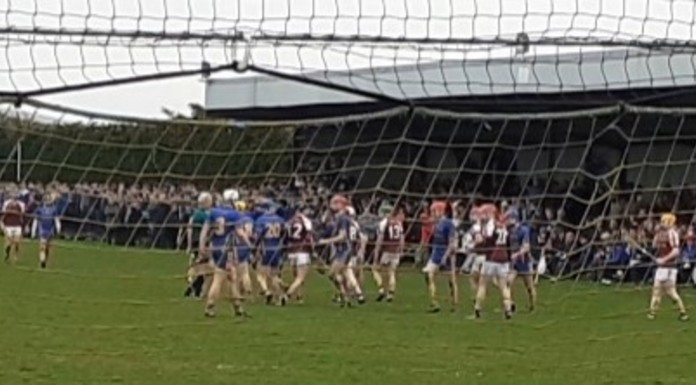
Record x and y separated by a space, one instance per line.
269 232
442 236
46 216
521 236
242 248
343 248
221 221
689 253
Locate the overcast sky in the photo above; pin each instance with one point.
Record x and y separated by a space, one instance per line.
29 62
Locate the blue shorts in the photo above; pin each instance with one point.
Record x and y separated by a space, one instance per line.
243 256
271 259
523 267
342 257
45 236
219 257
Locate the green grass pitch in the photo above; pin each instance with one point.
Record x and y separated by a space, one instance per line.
108 316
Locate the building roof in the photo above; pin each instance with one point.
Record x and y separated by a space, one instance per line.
598 70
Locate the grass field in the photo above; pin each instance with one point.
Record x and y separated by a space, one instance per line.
107 316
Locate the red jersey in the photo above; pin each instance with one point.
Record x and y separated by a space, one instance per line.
665 242
300 235
12 213
498 245
392 231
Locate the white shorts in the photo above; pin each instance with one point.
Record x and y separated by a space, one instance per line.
13 232
390 259
299 259
665 275
496 269
477 266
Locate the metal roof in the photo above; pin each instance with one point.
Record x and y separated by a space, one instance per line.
530 73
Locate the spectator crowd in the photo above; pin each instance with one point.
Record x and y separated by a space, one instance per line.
614 245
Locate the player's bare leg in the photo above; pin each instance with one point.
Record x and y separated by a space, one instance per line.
44 249
504 288
528 280
236 297
336 273
277 286
672 293
454 289
353 284
512 276
655 300
295 288
244 279
432 291
481 295
220 276
474 281
379 281
391 282
262 276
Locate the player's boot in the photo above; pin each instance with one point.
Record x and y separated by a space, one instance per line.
209 311
43 264
361 299
508 315
683 317
513 308
7 253
434 308
283 300
651 316
381 296
269 298
390 296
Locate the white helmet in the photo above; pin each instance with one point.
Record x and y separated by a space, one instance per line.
230 195
204 197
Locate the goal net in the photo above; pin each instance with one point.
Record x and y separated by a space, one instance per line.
591 182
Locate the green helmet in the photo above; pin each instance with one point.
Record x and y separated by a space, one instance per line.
385 209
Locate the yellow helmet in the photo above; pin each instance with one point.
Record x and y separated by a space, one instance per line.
668 219
240 205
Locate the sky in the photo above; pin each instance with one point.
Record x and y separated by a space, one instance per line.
33 61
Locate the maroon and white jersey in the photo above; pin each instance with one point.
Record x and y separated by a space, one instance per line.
12 213
300 235
392 231
498 245
666 241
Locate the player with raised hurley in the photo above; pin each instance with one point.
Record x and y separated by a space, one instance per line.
443 248
388 251
497 266
214 240
666 243
11 222
46 225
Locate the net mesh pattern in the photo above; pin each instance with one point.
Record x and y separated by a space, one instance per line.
587 181
400 49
